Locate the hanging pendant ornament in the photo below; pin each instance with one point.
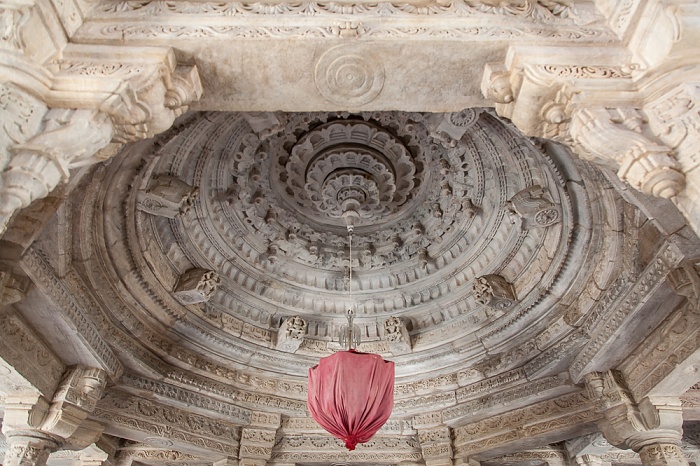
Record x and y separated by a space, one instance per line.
351 394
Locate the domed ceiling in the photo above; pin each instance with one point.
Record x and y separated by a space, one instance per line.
215 260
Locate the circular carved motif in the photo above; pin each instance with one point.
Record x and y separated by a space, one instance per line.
547 217
346 76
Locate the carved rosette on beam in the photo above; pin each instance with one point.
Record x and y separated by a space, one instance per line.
291 334
534 207
196 286
494 291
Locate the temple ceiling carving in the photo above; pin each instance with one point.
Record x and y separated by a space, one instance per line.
209 270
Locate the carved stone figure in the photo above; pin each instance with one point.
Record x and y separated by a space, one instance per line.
168 196
291 334
494 291
396 335
196 286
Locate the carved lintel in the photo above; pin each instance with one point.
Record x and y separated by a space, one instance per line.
168 196
396 334
196 286
494 291
534 207
615 139
291 334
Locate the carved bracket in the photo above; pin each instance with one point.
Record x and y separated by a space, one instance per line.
534 207
616 137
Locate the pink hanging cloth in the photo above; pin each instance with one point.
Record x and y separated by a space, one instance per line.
351 395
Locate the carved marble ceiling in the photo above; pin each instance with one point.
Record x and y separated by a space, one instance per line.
174 253
207 269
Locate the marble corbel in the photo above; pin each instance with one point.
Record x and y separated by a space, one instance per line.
34 428
97 95
291 334
69 138
616 138
652 427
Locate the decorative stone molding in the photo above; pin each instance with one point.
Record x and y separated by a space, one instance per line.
167 196
258 438
34 361
494 291
396 335
564 412
196 286
143 418
73 311
436 446
617 136
534 207
291 334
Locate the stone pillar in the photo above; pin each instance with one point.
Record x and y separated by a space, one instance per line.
662 454
34 428
652 427
588 460
29 448
436 445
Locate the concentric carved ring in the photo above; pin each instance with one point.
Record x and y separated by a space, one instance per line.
346 76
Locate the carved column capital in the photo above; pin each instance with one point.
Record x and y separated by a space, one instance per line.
29 448
628 424
615 138
662 454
